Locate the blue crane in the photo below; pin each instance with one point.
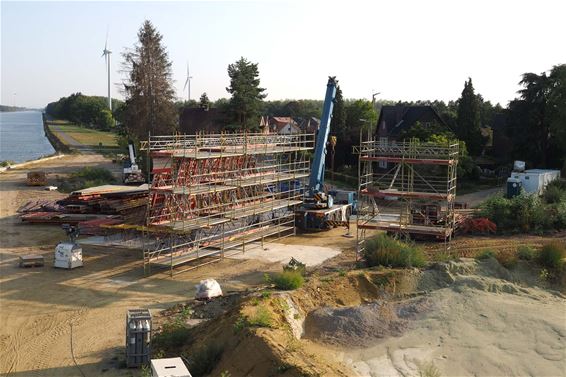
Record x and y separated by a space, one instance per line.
315 196
319 210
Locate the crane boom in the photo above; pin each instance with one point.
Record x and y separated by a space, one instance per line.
318 210
316 179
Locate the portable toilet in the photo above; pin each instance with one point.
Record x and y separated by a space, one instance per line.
172 367
68 255
514 186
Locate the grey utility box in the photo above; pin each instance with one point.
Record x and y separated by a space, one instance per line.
138 337
173 367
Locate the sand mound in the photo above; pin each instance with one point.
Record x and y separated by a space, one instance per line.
485 321
362 325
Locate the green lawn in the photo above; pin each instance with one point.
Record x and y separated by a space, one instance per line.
85 136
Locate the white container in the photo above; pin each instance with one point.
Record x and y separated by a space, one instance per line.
173 367
534 181
519 166
68 255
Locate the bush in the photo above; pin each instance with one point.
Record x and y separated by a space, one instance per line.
261 318
553 194
485 254
5 163
507 258
386 251
288 280
526 253
205 359
94 173
552 255
87 177
173 335
524 213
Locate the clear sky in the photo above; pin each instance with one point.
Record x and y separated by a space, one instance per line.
407 50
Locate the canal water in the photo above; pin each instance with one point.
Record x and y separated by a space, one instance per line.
22 137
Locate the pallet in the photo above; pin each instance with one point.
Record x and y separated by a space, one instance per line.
32 260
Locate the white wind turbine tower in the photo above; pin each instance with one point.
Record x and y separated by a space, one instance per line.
106 53
188 81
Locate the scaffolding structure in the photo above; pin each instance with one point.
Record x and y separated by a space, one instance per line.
406 188
215 195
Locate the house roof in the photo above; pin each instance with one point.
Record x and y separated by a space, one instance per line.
392 119
282 120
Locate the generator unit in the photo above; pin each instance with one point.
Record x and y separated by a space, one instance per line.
138 337
69 254
514 187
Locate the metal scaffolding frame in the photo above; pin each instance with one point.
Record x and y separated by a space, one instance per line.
407 188
215 195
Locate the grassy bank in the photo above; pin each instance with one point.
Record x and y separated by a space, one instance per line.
84 136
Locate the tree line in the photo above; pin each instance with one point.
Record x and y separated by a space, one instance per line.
535 121
88 111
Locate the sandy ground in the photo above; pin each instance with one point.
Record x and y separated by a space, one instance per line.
311 256
39 305
482 324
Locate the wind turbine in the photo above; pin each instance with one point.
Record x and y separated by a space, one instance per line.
106 53
188 82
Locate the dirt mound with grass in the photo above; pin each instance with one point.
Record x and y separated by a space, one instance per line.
383 321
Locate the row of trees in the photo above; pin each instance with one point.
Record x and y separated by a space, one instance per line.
89 111
536 119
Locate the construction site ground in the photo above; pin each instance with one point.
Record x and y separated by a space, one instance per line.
474 319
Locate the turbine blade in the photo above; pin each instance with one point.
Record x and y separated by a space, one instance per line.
106 42
186 82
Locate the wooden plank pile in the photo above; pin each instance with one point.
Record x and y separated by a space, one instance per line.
106 204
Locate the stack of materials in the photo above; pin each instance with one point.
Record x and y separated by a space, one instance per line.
91 208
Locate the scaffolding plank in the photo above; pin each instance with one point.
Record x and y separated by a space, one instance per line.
409 228
263 207
415 161
407 194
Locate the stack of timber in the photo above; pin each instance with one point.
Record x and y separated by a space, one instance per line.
90 208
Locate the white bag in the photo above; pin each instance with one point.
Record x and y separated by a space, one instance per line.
207 289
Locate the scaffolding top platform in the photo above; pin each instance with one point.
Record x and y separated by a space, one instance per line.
418 152
237 143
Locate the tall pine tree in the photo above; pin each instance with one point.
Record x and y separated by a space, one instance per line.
469 119
149 106
247 96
